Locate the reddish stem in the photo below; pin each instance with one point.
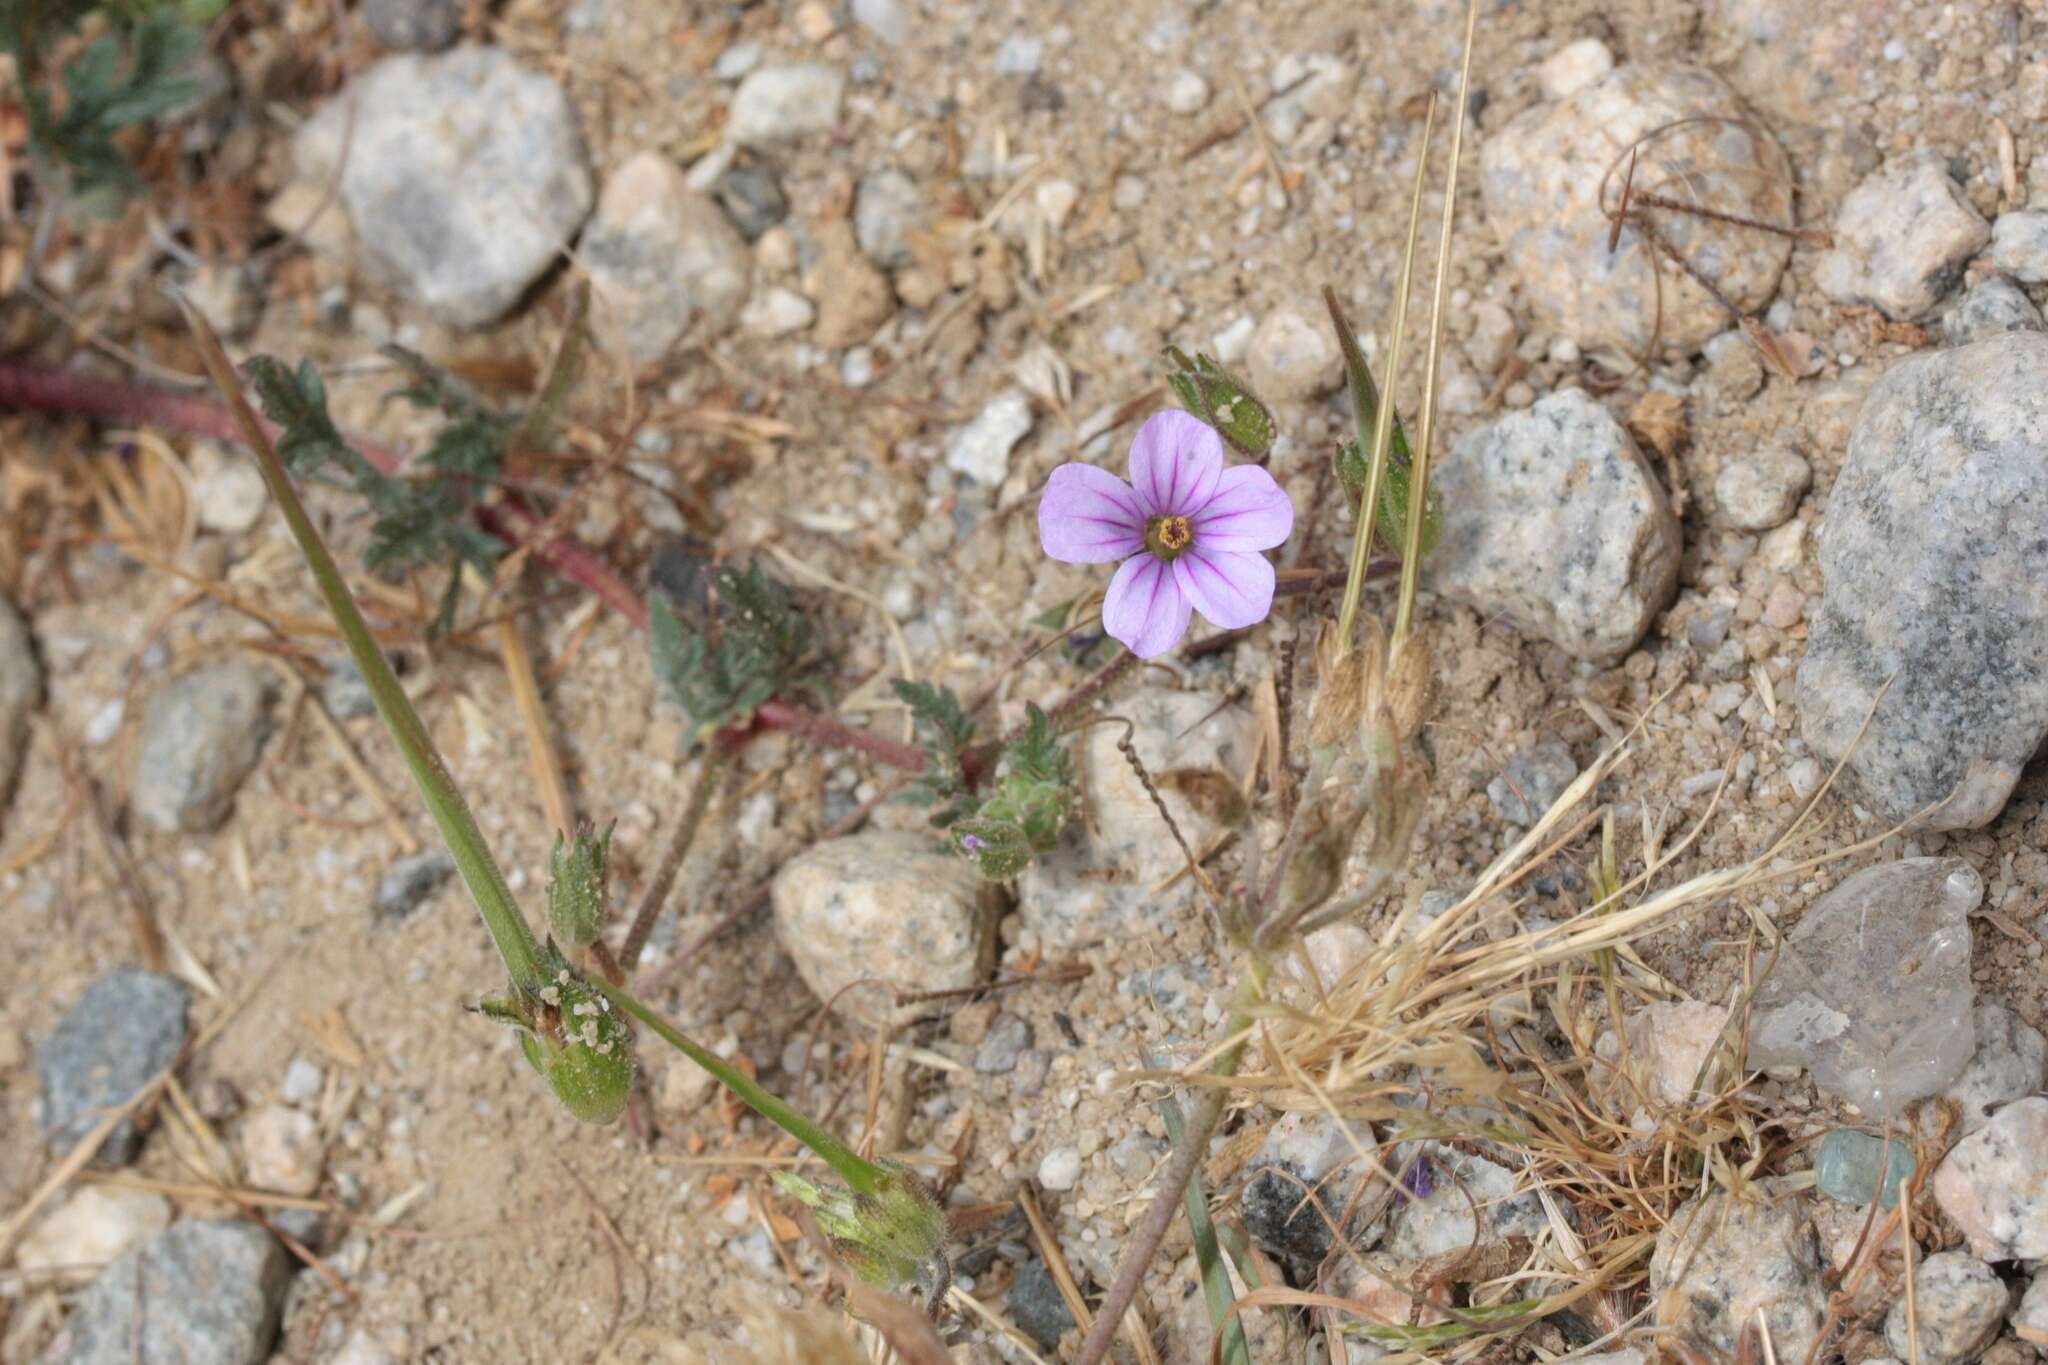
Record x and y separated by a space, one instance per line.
780 715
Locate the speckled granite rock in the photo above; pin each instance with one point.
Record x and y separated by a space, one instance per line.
1934 550
1541 180
201 736
2010 1063
1723 1261
1994 1184
1308 1155
206 1290
1960 1303
1553 520
1902 238
1993 308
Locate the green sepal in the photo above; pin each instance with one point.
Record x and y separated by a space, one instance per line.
1221 399
889 1236
1392 516
578 900
576 1040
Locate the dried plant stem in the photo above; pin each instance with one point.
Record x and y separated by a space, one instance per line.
1173 1180
540 749
656 895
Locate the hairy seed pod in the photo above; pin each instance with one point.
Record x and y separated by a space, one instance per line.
583 1047
889 1235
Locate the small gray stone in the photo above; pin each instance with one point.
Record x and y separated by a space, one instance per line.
887 909
302 1081
345 693
200 737
21 691
886 210
128 1026
1307 1155
780 104
753 199
466 175
1293 359
1553 520
2011 1062
205 1290
410 881
981 449
1901 241
1994 307
1005 1041
1020 55
1534 779
1037 1306
1993 1185
1541 179
1722 1262
1960 1304
1186 93
1872 989
777 312
663 257
1433 1214
883 18
1060 1168
2019 245
1757 492
1933 551
413 25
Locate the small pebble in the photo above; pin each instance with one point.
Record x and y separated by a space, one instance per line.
1186 92
1573 67
302 1081
281 1150
1060 1168
1762 490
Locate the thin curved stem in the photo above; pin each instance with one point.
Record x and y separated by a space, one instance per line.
672 857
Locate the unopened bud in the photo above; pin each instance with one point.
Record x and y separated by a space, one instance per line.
582 1046
1221 399
889 1235
578 903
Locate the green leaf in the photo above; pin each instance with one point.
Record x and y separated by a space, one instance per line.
720 672
297 402
1216 1286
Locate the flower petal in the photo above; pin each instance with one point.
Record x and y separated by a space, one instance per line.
1176 460
1230 589
1089 516
1144 608
1248 512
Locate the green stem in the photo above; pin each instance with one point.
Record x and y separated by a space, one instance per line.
862 1176
451 815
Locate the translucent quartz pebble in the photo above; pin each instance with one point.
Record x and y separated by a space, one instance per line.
1847 1165
1871 992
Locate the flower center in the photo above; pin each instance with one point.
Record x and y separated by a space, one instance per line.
1169 537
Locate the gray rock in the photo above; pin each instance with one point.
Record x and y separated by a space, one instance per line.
128 1026
1993 1185
1036 1306
1090 889
21 691
2030 1319
1541 178
2019 245
663 258
1020 54
886 210
883 18
1293 358
466 175
780 104
887 909
777 312
1722 1261
1553 520
410 881
1996 306
752 197
1433 1214
1534 779
205 1290
344 691
1933 552
1960 1304
1872 989
2011 1062
1002 1045
981 449
413 25
200 737
1760 491
1305 1181
1901 241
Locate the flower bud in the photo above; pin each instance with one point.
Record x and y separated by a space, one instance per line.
583 1047
888 1235
1221 399
578 904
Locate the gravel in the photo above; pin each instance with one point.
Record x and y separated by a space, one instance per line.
205 1290
2019 245
1533 781
663 258
981 449
128 1026
776 105
1757 492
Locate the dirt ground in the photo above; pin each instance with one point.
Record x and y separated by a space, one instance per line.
525 1236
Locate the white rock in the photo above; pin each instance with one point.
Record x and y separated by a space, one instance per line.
2019 245
1759 491
1021 54
1573 67
1293 359
663 258
1442 1221
1056 200
1060 1168
281 1150
883 18
1669 1045
981 449
2030 1320
777 312
1186 92
1960 1304
93 1225
1901 240
2011 1062
302 1081
230 493
780 104
1994 1184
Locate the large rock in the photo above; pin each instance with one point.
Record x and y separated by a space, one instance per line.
1934 550
128 1026
1542 177
2011 1062
1449 1198
206 1290
201 736
21 688
1992 308
1994 1184
1871 991
1728 1261
663 257
1959 1303
890 909
1553 520
465 176
1902 238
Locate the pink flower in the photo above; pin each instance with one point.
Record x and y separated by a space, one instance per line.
1189 533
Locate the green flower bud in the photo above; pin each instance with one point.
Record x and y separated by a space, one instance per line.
578 904
582 1046
1392 518
998 847
889 1236
1221 399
